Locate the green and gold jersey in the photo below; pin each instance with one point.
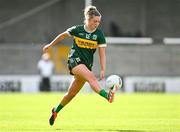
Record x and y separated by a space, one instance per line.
85 43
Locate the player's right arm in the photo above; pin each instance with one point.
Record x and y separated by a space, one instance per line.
59 38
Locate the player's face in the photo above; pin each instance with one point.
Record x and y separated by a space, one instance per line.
94 22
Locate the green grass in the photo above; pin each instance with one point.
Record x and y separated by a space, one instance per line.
90 113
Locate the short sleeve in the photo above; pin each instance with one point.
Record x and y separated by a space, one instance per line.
72 30
101 39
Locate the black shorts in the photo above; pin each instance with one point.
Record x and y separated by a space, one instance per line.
73 62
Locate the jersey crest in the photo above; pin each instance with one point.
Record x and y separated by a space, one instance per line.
94 37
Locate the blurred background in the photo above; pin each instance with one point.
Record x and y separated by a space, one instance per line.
142 36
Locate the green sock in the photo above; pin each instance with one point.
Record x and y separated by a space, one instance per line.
58 108
103 93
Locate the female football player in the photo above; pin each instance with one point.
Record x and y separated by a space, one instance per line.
87 38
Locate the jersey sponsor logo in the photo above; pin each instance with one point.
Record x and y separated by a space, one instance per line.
84 43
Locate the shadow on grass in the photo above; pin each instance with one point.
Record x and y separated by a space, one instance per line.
110 130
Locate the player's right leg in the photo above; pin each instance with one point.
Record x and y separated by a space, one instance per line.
89 76
74 88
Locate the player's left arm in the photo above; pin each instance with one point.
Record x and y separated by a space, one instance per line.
102 59
102 53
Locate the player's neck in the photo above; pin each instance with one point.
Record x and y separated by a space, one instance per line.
87 29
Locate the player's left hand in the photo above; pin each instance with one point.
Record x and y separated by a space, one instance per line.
101 75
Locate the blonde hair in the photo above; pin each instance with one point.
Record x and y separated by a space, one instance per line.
91 11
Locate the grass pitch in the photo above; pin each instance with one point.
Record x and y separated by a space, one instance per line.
90 113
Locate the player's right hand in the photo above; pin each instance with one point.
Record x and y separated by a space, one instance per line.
45 48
